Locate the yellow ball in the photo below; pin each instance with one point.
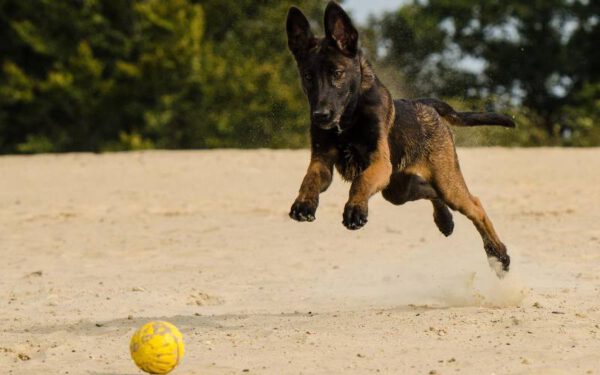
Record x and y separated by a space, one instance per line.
157 347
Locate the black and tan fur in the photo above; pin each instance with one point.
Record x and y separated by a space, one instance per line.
403 148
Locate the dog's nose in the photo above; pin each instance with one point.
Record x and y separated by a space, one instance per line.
322 115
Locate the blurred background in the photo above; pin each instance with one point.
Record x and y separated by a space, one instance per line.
111 75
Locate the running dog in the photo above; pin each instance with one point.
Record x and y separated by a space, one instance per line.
403 148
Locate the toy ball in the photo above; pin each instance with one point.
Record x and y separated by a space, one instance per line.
157 347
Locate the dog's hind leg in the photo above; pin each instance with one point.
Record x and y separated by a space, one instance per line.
451 187
405 187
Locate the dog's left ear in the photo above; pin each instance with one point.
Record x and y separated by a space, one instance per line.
339 29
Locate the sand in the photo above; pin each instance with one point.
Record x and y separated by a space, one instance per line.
93 246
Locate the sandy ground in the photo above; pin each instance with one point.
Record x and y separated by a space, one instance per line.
93 246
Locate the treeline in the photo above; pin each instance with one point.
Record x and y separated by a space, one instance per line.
102 75
80 75
538 59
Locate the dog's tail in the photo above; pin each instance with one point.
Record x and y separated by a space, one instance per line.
468 118
483 119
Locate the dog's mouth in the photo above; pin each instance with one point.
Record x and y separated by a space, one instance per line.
330 125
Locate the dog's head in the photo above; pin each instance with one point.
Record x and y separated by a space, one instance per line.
329 67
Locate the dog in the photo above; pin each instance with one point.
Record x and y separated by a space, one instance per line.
401 148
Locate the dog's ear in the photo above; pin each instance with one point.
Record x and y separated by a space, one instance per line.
339 29
300 38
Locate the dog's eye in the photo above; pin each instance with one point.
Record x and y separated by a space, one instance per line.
337 74
308 76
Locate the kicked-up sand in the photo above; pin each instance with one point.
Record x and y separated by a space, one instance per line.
93 246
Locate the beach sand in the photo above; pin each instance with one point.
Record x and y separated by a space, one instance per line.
93 246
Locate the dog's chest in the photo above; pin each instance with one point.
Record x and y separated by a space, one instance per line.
352 161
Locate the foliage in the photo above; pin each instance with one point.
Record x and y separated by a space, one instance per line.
87 75
540 56
253 96
113 75
104 75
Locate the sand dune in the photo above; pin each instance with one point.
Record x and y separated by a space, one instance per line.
95 245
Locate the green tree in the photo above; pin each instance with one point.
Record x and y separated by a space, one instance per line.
93 75
253 95
541 55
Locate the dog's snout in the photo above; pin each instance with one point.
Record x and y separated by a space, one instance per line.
322 115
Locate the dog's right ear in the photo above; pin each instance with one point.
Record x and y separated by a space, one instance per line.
300 38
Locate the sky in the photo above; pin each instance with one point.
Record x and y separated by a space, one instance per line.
362 8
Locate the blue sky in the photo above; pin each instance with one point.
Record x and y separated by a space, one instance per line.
362 8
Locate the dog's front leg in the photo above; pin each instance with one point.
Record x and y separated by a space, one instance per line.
317 179
371 181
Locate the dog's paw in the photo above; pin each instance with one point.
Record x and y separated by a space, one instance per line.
303 210
498 259
355 216
443 219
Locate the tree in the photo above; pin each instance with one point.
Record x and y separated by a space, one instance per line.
539 55
253 95
90 75
96 75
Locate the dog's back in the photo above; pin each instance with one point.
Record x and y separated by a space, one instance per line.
421 125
